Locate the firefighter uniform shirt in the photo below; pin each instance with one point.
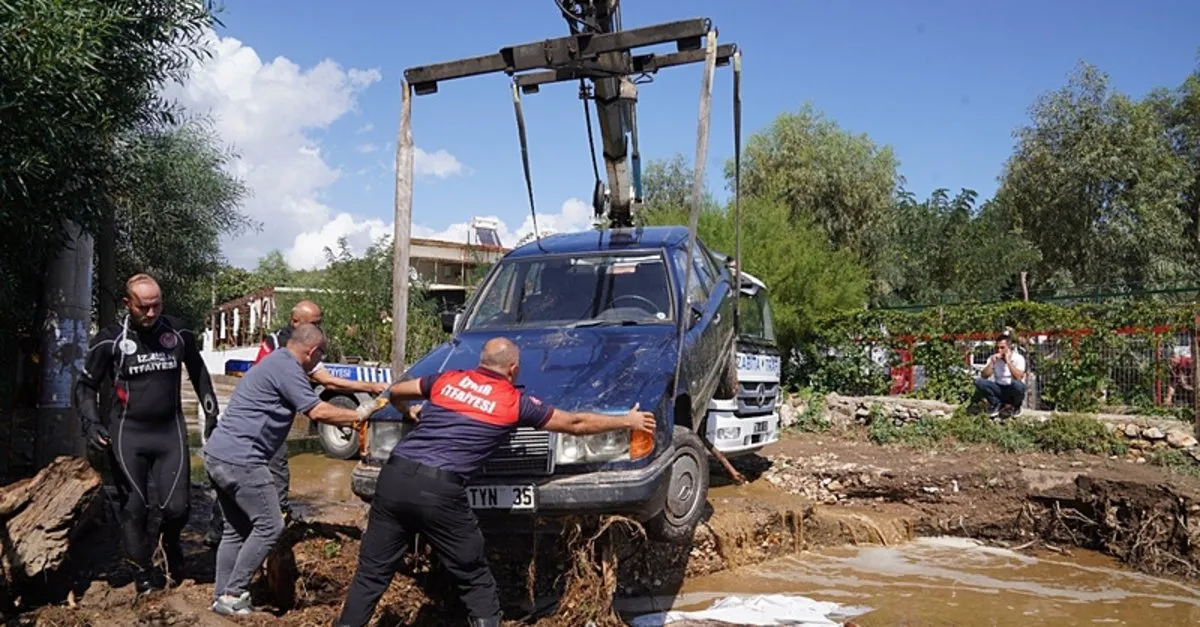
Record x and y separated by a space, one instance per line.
468 415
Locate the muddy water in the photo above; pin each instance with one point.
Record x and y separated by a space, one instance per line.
943 581
319 487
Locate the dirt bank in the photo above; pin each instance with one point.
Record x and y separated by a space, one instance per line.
808 491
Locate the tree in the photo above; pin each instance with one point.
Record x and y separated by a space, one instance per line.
355 295
667 185
806 279
273 270
76 76
175 200
1095 185
947 250
1179 112
840 182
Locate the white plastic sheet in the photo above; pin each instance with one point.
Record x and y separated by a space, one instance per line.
771 609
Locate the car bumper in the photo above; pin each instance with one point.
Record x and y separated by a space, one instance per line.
639 493
741 435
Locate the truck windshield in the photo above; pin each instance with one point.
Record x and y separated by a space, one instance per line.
755 316
573 291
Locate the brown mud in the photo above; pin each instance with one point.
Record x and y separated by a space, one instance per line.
804 493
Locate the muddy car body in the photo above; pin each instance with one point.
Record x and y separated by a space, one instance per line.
598 317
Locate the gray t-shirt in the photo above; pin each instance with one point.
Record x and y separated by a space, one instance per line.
261 411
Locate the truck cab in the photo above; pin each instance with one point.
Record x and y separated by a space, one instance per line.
604 321
745 424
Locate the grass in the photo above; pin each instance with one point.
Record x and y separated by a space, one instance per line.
812 419
1059 434
1175 461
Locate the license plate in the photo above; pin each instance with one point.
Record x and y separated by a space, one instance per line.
760 427
520 497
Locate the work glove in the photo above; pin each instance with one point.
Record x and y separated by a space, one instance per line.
366 409
97 437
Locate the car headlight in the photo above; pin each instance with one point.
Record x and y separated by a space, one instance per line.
612 446
382 437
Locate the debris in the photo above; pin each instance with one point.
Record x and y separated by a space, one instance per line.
1180 439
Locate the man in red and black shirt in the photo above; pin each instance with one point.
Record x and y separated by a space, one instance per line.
421 489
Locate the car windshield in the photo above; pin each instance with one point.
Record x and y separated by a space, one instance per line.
575 291
755 316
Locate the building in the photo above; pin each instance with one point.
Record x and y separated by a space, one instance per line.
439 264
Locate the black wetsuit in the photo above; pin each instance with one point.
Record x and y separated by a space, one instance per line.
146 428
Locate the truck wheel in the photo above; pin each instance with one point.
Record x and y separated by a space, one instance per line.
339 442
727 386
687 491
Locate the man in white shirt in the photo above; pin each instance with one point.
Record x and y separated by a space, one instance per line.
1003 382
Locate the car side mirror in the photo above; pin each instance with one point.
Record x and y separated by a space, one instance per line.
449 318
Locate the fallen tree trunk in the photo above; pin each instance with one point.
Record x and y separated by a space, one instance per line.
38 517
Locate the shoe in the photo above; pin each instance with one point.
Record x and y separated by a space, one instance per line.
143 583
993 411
233 606
1016 411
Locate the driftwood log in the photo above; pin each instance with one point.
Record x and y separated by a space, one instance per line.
38 517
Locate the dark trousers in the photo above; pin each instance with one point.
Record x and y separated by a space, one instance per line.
281 475
412 498
995 394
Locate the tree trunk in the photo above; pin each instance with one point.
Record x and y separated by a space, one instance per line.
38 518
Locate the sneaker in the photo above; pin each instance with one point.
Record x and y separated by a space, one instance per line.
233 606
1016 411
993 411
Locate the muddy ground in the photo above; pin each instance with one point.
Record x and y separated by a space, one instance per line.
805 492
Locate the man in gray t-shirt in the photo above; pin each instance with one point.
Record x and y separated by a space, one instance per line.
236 456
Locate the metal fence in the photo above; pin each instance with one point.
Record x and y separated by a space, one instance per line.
1138 369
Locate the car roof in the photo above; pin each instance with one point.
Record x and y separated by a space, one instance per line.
605 240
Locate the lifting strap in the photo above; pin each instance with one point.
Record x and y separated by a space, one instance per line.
737 184
516 93
710 65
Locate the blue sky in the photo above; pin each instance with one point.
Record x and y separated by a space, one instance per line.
944 83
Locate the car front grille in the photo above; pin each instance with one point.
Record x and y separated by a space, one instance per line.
757 398
527 452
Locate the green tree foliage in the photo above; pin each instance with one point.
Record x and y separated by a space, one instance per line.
839 181
273 271
355 295
1095 185
75 77
948 250
806 279
667 185
175 200
1179 111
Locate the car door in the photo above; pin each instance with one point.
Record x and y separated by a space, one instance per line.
694 318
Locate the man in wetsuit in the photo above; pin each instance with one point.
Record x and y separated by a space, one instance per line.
305 312
145 435
469 414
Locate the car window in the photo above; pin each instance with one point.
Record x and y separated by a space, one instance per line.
708 266
570 290
697 292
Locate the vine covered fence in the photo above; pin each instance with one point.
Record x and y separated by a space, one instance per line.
1119 357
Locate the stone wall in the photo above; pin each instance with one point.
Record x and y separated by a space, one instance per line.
1142 433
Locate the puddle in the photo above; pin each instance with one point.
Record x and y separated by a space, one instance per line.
319 486
947 581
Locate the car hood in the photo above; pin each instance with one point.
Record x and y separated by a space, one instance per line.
605 369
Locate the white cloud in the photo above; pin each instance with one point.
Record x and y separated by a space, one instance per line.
366 128
366 148
267 112
440 164
574 215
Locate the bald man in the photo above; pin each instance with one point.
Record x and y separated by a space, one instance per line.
255 426
304 312
421 489
146 435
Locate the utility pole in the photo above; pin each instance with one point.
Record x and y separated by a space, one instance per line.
402 230
64 347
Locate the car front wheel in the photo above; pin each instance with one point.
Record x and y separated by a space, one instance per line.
687 491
